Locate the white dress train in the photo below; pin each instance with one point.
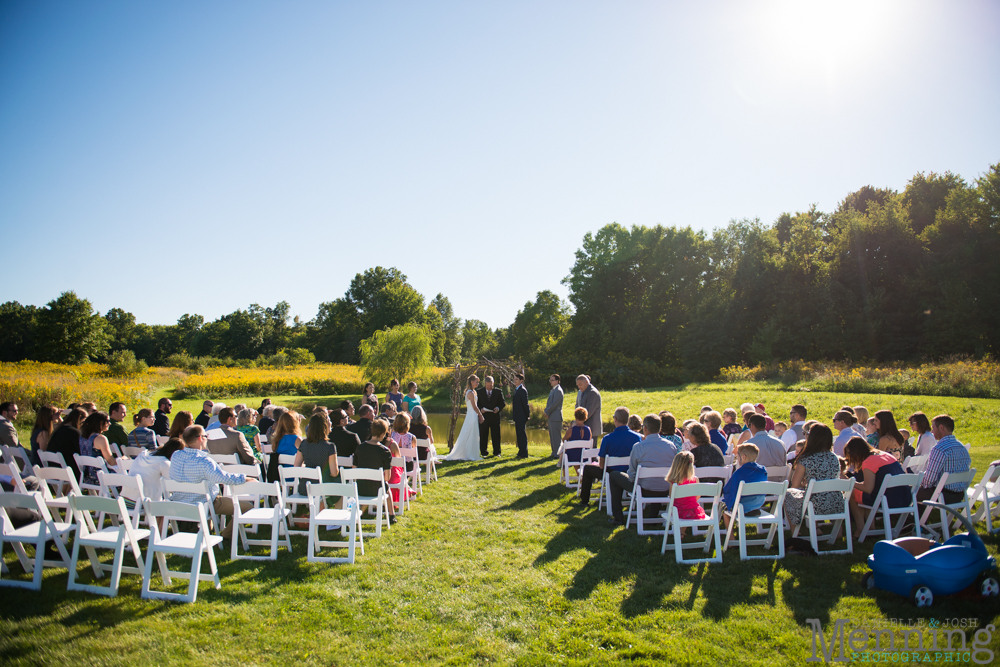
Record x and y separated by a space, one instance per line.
467 445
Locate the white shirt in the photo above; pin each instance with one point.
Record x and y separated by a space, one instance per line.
925 444
151 469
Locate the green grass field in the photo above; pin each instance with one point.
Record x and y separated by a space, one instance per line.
496 564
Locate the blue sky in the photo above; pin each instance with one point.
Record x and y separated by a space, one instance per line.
172 158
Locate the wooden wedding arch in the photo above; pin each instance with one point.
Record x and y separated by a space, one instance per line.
503 372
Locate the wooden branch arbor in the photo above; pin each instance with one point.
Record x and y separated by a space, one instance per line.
503 372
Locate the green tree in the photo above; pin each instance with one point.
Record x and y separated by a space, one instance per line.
17 327
477 340
540 325
401 352
121 327
70 331
924 196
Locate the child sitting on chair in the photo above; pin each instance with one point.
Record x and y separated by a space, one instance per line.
681 473
779 429
749 471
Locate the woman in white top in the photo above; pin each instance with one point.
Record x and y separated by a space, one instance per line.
925 439
154 467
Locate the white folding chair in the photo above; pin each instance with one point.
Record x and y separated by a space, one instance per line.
285 460
881 505
190 545
914 464
345 462
943 525
59 484
778 473
810 517
21 457
11 470
610 462
123 465
251 472
773 518
83 462
720 472
275 516
127 487
430 467
637 503
987 493
37 534
570 471
115 450
290 495
413 471
380 501
134 452
265 450
120 536
673 524
347 520
171 486
728 459
52 459
227 459
402 487
161 440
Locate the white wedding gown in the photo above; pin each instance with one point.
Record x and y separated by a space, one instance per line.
467 445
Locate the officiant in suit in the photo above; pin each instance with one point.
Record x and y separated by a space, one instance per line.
521 412
491 404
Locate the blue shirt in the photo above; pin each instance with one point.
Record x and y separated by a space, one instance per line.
287 445
718 439
748 472
948 455
619 443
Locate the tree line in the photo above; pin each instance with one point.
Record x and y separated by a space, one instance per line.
887 276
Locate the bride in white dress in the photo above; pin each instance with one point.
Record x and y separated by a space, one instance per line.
467 446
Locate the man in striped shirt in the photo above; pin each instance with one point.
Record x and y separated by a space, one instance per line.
948 455
193 465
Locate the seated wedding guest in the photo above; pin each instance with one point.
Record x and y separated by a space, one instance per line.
388 411
374 455
161 425
116 434
65 438
770 450
394 396
817 461
750 471
843 422
705 452
234 442
744 409
181 421
315 451
745 434
263 404
871 432
8 432
681 473
421 430
779 429
634 423
348 408
411 400
759 409
205 415
213 421
192 465
142 435
362 427
871 466
713 421
797 416
889 438
616 444
861 416
245 424
578 431
668 429
89 407
93 443
345 441
652 451
47 418
276 413
368 397
265 422
287 436
948 455
399 437
925 439
730 427
154 466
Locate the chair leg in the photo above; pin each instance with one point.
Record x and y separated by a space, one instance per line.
192 593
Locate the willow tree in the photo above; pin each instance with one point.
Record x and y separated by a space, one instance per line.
400 352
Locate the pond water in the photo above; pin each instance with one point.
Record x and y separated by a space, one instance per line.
439 424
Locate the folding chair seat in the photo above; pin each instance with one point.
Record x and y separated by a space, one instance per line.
773 518
290 495
881 506
59 484
611 462
673 524
987 493
430 467
812 519
945 520
638 501
121 537
83 462
191 545
380 501
37 534
275 516
402 487
413 471
348 520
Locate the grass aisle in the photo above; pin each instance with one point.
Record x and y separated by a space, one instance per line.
494 564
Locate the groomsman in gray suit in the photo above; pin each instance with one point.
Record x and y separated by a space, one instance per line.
588 397
553 413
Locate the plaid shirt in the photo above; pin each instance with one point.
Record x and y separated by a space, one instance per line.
193 466
948 455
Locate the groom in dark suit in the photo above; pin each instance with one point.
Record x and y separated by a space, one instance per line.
520 414
491 403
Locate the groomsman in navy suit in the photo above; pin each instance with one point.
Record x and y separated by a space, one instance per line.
520 415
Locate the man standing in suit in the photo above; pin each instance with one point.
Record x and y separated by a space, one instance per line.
553 413
491 402
520 415
590 399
